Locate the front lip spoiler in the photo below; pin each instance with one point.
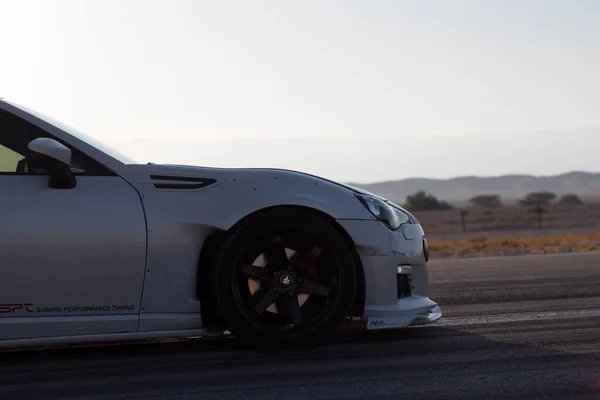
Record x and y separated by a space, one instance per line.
406 320
427 317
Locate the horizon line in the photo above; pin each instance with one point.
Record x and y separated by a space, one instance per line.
476 176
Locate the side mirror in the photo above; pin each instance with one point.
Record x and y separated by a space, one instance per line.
49 156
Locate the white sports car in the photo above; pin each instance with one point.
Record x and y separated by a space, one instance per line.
96 247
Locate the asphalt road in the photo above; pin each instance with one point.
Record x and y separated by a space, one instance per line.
513 328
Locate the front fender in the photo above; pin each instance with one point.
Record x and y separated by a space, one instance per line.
222 205
179 221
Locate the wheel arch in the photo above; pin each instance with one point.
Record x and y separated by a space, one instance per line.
213 242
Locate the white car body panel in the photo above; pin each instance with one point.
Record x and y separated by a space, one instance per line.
127 243
95 258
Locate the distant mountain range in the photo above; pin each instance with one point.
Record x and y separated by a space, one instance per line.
509 187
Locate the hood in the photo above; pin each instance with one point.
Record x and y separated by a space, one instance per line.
361 191
344 185
192 170
227 173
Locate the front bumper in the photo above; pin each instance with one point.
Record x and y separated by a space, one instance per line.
402 318
395 271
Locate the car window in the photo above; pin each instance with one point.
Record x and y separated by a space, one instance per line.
15 135
78 134
9 159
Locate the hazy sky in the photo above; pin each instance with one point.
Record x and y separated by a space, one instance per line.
352 90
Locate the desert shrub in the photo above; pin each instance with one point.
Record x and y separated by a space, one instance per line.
570 199
538 198
486 200
422 201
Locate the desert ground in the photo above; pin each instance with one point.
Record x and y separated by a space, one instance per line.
512 230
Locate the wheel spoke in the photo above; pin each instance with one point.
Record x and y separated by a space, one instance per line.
311 287
294 291
309 258
290 307
257 272
280 258
307 262
268 299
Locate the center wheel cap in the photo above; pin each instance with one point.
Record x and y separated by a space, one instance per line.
285 280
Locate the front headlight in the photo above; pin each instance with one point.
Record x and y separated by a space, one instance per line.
390 216
411 218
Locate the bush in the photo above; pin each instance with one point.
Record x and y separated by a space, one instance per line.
538 199
486 200
422 201
570 199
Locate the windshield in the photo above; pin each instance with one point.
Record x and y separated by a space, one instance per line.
78 134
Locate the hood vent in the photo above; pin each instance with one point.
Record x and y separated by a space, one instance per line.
181 182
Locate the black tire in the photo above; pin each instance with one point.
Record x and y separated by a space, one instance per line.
325 282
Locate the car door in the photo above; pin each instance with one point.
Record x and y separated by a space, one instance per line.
72 261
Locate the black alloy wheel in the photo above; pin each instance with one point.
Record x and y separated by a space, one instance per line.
284 279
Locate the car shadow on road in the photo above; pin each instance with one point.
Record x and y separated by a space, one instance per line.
426 362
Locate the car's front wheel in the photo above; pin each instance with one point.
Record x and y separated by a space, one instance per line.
283 279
